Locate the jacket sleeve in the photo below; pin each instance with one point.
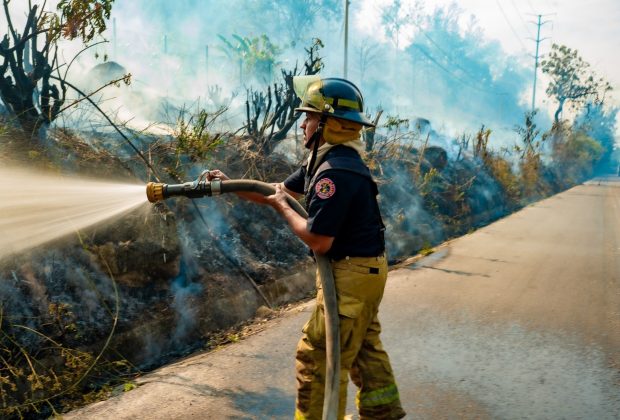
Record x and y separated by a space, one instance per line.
295 181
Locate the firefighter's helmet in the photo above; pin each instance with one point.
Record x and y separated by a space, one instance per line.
332 97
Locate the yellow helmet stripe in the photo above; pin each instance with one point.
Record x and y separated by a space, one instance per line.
344 102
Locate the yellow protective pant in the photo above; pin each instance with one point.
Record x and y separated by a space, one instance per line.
360 282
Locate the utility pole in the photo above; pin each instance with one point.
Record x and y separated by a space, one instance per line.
207 64
346 36
538 24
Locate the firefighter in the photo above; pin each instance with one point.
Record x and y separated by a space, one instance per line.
345 224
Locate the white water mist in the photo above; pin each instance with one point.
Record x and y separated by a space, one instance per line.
36 207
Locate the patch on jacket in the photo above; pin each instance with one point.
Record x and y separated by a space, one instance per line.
325 188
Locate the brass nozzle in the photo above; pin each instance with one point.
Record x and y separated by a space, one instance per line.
155 192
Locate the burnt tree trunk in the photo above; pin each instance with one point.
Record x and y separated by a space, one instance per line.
275 125
25 71
369 134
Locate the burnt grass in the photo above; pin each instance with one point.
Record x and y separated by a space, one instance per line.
173 278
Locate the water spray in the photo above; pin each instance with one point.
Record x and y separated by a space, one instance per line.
201 187
39 207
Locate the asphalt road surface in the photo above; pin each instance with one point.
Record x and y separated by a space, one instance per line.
520 319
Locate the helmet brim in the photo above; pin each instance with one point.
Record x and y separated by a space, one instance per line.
354 116
307 109
349 116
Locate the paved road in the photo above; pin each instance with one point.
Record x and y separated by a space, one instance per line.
520 319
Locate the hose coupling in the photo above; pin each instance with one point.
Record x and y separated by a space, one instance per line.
216 186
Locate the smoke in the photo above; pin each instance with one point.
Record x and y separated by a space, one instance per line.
185 287
441 70
408 225
32 283
409 59
601 125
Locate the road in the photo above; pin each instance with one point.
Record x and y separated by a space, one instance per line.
520 319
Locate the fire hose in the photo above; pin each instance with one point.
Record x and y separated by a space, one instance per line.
202 188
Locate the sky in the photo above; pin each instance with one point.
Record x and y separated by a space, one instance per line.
592 27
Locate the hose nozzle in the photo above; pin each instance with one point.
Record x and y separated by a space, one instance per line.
155 191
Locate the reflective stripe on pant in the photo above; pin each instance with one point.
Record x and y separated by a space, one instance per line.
360 283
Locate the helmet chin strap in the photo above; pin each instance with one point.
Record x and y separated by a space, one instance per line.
313 143
315 138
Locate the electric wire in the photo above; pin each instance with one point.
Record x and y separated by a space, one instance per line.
531 7
133 146
442 67
510 24
527 29
454 76
452 62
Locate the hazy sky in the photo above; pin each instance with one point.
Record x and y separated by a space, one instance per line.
592 27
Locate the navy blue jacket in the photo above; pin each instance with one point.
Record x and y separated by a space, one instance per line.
341 199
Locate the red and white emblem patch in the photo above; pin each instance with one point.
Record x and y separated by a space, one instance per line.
325 188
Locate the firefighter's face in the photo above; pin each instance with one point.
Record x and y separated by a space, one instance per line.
310 124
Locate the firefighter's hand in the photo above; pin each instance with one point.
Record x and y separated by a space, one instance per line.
278 200
216 173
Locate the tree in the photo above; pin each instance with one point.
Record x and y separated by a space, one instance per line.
279 117
32 87
528 133
369 54
530 162
463 70
295 19
254 55
397 18
599 124
572 81
575 154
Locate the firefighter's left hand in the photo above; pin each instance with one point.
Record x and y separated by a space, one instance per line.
216 173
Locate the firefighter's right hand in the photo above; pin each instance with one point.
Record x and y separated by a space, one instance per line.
278 199
216 173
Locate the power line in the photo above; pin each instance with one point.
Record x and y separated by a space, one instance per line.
454 76
510 24
454 63
531 7
521 17
442 67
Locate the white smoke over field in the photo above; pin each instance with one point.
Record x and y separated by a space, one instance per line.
439 68
411 59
